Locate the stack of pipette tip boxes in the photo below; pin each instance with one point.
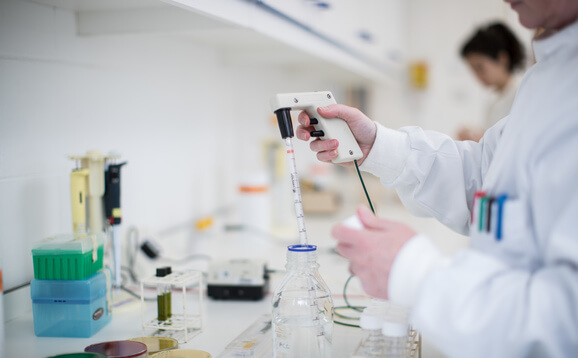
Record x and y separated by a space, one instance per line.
71 291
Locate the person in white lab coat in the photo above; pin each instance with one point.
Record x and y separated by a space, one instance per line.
514 291
494 54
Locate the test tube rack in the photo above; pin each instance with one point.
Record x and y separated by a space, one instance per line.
413 343
182 325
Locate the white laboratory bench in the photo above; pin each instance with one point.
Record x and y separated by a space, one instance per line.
224 320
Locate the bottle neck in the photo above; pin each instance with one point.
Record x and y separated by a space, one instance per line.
302 260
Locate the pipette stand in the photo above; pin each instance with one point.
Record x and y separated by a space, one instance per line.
182 324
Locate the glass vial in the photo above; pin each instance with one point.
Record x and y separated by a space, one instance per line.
395 335
302 308
164 308
371 321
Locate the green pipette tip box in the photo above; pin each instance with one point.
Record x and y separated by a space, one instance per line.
68 257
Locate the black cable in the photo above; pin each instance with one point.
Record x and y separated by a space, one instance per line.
16 288
363 184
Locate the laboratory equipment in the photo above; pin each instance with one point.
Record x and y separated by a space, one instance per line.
71 308
302 308
164 298
183 353
119 349
254 342
78 190
94 162
237 279
185 320
113 214
255 201
79 355
325 129
371 321
157 344
372 344
68 257
395 334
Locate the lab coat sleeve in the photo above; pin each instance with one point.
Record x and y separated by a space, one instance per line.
479 306
433 174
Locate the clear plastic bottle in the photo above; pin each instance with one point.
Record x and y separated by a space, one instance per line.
302 308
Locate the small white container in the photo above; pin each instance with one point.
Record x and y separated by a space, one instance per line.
255 201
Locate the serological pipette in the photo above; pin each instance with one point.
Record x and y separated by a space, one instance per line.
325 128
296 191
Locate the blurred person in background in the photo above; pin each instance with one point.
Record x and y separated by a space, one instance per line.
495 55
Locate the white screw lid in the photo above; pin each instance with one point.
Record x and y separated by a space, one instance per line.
369 321
394 329
353 222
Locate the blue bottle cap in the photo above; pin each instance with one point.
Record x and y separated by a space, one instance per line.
302 248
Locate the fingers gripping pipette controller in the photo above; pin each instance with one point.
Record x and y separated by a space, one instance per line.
325 128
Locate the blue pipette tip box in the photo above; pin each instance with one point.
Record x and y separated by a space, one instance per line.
70 308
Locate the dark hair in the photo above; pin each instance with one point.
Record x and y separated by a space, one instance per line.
495 38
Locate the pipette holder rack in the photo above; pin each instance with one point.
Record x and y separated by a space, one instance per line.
181 325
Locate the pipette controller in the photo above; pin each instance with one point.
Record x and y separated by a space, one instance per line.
325 128
113 214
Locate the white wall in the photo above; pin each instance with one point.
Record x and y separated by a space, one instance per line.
184 116
185 122
436 31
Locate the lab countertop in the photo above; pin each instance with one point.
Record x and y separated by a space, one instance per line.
224 320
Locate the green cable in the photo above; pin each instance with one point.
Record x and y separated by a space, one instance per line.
355 308
348 305
363 184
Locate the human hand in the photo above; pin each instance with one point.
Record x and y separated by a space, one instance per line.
371 251
361 126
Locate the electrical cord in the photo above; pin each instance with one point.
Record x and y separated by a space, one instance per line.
363 184
132 236
347 306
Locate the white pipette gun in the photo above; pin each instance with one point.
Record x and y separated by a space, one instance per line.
325 128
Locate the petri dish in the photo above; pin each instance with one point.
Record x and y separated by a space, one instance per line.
79 355
119 349
157 344
182 353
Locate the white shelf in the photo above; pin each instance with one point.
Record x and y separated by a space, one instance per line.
294 38
245 31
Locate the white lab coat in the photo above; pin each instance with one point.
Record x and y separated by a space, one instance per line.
517 297
502 102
